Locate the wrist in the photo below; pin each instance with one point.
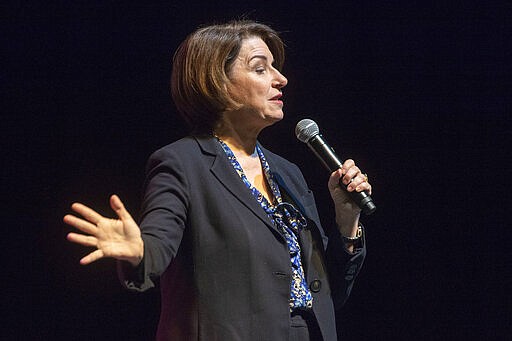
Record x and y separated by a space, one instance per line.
348 226
353 238
353 243
138 254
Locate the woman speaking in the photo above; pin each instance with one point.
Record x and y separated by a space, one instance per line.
231 229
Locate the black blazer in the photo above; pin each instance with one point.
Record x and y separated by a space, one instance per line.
224 268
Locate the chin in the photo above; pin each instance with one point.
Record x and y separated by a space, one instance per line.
275 117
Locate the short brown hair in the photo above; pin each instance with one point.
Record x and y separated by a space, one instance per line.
201 64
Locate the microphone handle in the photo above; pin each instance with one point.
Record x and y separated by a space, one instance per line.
329 159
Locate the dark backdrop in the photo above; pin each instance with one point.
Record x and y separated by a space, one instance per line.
417 92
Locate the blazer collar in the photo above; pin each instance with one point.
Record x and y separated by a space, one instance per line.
224 172
296 195
209 145
227 176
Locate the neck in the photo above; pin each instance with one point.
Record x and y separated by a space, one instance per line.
240 140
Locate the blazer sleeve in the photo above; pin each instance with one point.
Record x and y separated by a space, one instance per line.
163 219
343 266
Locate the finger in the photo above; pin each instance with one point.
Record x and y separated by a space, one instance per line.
334 179
363 186
351 174
346 165
80 224
368 189
118 206
360 184
86 212
92 257
82 239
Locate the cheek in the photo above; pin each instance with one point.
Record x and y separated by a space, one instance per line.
234 91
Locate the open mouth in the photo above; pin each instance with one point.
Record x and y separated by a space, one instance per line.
277 97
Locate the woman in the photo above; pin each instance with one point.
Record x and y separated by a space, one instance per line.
230 228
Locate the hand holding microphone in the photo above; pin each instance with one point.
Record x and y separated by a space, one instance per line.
307 131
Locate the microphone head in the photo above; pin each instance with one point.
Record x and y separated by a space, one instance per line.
306 129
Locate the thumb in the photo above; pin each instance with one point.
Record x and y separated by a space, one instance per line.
118 207
334 179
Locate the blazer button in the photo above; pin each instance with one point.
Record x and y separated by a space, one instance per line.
352 269
315 285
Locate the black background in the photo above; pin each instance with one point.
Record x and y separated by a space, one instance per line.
418 93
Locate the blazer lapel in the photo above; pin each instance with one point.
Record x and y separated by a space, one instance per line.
284 183
227 176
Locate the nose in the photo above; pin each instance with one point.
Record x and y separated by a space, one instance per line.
280 80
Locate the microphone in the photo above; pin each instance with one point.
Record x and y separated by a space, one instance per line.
307 131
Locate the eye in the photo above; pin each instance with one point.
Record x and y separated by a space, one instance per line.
260 69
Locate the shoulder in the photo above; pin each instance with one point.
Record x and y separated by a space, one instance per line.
188 147
180 146
188 153
173 155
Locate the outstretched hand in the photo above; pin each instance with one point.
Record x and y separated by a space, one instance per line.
114 238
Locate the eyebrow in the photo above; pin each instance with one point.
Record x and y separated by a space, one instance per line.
258 56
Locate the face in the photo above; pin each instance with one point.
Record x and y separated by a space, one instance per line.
256 85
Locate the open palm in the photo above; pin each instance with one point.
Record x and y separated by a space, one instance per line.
114 238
